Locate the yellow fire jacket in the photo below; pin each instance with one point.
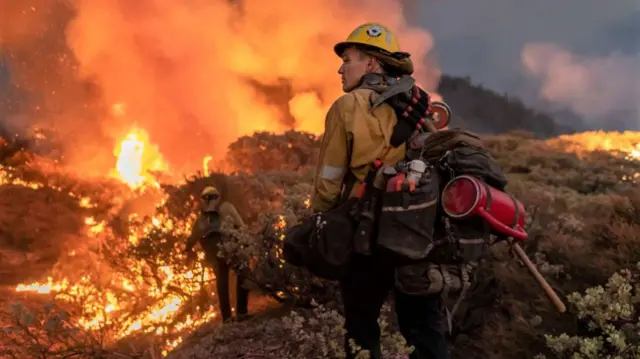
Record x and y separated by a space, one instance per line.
354 137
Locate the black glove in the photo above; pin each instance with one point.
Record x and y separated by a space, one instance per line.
411 108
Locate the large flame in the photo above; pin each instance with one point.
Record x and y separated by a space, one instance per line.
197 75
138 159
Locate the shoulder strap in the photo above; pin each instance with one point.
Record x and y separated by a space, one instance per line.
349 181
385 86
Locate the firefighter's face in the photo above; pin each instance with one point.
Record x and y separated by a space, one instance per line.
355 64
209 202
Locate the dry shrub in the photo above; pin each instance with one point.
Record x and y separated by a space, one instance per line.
315 333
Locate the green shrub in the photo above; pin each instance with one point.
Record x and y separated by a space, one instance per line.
612 317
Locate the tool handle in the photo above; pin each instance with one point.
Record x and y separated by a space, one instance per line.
543 282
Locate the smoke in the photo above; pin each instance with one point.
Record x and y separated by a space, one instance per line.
45 90
194 74
595 87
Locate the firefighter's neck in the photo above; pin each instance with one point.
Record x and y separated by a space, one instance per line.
380 73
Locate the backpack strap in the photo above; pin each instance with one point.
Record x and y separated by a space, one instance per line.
349 181
385 87
465 278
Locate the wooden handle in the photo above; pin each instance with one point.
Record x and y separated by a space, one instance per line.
543 282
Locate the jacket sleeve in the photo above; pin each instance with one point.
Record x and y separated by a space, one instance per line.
333 161
229 210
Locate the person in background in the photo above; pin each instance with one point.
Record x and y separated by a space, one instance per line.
207 230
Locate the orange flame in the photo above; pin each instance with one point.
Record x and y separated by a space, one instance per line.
627 142
112 304
252 68
137 158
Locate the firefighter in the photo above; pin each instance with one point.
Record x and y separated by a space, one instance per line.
207 231
353 138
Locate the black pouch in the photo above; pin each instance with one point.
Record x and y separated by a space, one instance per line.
471 238
407 220
475 162
297 242
323 242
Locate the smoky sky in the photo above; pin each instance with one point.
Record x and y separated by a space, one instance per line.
566 53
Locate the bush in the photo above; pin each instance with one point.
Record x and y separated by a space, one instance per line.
611 316
314 333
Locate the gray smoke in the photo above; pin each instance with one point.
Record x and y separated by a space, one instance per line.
489 41
600 89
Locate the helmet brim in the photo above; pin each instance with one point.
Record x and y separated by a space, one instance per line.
340 47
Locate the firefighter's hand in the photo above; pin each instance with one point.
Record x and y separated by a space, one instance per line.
411 108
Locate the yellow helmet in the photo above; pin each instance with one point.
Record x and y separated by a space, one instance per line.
210 191
379 41
372 35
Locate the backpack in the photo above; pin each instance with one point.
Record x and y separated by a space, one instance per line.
211 226
411 215
437 252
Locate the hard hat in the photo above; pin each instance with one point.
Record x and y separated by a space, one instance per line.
371 35
377 40
210 191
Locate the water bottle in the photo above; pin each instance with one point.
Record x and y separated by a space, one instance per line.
416 170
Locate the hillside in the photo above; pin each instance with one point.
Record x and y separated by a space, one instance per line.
583 206
484 110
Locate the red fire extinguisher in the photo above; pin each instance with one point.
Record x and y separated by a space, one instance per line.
466 196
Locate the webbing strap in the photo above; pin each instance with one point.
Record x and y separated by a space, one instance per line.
466 284
349 182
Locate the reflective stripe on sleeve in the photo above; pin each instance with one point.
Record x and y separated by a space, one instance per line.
331 173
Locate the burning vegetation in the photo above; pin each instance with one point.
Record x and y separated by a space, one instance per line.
109 285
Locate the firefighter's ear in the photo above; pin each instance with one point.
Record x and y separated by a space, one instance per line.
373 65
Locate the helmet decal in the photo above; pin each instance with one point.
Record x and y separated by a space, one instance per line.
374 31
